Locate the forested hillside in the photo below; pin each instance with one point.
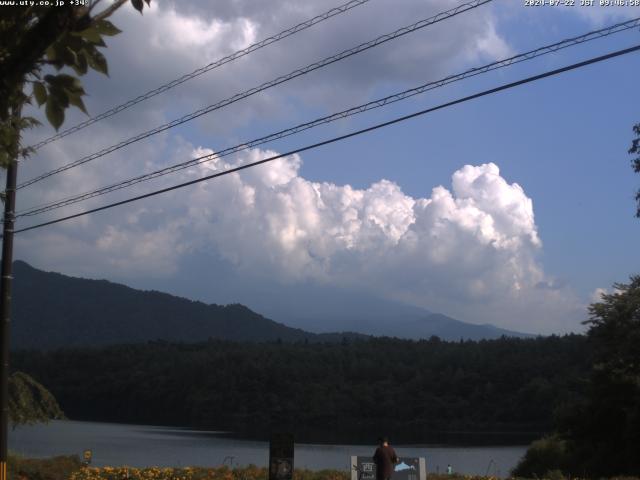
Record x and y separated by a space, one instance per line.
51 310
415 391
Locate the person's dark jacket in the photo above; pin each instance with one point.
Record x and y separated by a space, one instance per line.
385 458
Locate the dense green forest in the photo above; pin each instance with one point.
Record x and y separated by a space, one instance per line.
416 391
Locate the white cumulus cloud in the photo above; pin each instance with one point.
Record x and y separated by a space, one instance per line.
468 251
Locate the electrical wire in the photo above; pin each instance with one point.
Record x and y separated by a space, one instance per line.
218 63
296 73
346 136
547 49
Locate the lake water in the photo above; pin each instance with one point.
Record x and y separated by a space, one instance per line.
141 445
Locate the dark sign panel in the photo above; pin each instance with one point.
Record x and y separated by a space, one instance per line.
363 468
408 468
281 457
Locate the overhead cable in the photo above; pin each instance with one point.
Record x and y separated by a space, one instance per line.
547 49
277 81
218 63
342 137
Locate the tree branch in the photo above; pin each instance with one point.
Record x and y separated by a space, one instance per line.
108 11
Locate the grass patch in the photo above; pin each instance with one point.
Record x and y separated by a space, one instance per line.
71 468
55 468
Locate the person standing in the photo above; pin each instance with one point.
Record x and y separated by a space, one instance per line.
385 458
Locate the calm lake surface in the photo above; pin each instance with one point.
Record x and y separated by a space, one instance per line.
141 445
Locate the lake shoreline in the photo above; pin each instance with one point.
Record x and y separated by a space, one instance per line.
354 435
143 445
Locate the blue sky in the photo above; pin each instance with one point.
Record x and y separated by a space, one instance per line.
562 140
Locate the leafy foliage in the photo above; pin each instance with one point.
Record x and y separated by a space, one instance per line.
415 391
635 163
546 455
56 468
600 434
30 402
37 39
606 430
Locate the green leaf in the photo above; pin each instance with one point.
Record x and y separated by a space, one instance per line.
99 43
68 82
71 57
66 55
6 136
59 96
97 61
91 34
88 36
81 65
137 4
40 92
51 54
76 100
105 27
27 152
73 41
28 122
55 112
75 87
58 55
65 81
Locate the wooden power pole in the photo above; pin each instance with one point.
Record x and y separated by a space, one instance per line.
5 301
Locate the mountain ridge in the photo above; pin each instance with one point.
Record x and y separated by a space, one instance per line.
104 313
44 318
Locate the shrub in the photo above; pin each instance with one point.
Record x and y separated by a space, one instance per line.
545 458
56 468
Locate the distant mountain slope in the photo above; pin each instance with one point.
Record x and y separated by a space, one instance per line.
448 328
52 310
359 311
414 326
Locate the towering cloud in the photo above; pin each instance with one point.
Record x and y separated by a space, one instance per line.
469 251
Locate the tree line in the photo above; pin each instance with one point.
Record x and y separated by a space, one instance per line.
427 390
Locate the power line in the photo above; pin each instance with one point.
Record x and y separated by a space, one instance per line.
239 96
617 28
228 59
344 137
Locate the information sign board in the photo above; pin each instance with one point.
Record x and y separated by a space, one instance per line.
408 468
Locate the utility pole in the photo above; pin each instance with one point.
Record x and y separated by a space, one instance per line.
5 293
